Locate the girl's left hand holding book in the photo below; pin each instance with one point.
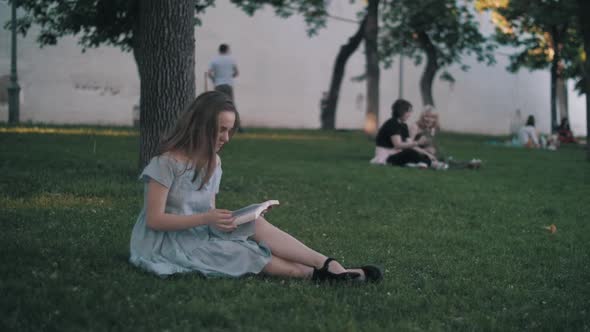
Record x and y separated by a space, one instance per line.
220 219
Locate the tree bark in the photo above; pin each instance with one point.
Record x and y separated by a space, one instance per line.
556 72
430 70
164 50
553 93
562 99
585 25
372 59
328 115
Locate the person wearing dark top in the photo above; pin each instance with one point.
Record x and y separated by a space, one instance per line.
565 133
389 128
394 145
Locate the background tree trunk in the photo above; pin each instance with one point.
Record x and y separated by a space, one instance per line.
587 80
429 71
328 115
556 74
372 59
164 49
553 93
562 99
585 24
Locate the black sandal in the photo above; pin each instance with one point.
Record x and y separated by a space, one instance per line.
373 273
322 274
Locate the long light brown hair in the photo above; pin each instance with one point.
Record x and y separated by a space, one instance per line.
429 110
196 131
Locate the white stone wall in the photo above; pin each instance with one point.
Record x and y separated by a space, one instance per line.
282 75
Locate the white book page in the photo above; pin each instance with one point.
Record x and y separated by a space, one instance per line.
251 212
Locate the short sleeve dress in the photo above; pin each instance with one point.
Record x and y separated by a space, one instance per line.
201 249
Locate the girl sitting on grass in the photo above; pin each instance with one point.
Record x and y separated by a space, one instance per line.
528 135
427 126
179 229
425 131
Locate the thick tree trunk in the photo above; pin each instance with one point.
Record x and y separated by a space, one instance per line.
372 58
164 50
587 84
553 93
430 69
562 99
556 73
328 115
585 24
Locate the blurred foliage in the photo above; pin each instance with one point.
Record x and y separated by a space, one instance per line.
111 22
539 31
448 25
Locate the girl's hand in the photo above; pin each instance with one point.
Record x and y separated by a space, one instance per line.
265 211
220 219
423 140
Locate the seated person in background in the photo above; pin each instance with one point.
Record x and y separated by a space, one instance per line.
427 126
396 147
565 133
426 129
527 135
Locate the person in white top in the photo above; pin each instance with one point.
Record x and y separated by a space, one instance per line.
223 70
527 135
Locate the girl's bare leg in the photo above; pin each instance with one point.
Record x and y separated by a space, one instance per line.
290 249
281 267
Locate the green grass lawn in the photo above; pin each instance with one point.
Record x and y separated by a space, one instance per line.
461 249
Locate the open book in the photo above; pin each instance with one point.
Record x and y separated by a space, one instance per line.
251 212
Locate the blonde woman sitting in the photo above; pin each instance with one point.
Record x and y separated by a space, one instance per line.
426 129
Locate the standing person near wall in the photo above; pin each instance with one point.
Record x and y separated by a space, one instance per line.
223 70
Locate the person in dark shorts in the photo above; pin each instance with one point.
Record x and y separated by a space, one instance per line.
222 71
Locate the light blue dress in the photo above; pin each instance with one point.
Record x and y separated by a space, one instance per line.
202 249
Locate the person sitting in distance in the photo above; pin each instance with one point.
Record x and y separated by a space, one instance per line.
394 146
